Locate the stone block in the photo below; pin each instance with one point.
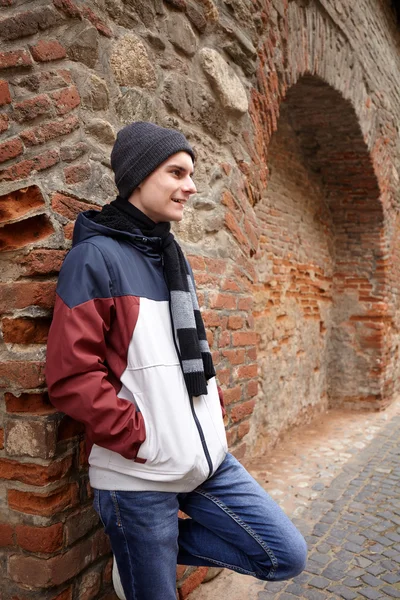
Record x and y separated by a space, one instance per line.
130 63
226 83
180 33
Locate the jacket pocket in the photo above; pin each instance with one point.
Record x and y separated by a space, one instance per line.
145 453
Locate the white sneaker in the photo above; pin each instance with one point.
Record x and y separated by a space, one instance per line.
117 581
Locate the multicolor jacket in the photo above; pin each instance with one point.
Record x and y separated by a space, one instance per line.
113 364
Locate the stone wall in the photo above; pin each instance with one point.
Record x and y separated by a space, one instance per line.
292 108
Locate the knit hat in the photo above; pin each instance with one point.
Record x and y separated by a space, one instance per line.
139 149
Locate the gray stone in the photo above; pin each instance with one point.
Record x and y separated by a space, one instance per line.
225 81
343 592
135 105
82 44
371 593
94 93
190 229
181 34
319 582
193 102
235 51
391 577
371 580
70 153
156 41
196 17
101 130
130 63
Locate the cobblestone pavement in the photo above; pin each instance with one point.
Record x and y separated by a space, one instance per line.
352 526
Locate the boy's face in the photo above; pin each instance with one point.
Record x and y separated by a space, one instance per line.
163 194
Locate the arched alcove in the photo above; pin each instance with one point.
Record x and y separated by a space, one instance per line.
319 308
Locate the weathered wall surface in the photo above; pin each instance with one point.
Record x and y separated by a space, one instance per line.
292 107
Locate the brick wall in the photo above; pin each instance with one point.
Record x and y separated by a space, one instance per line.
292 108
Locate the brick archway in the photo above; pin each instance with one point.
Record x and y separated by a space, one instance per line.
319 307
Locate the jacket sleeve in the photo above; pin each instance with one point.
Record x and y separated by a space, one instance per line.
76 370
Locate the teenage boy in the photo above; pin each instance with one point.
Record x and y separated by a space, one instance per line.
128 357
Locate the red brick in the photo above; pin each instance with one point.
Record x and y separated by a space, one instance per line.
197 263
25 330
46 81
245 303
233 226
192 582
34 474
80 523
49 131
1 438
216 265
221 301
235 357
10 149
251 353
5 96
251 389
66 100
228 200
90 585
100 541
35 438
244 338
42 262
224 339
96 21
20 202
235 322
21 374
47 50
242 410
38 404
232 395
247 371
243 429
211 318
228 285
3 123
68 7
224 376
39 539
47 504
27 167
6 535
77 173
15 58
23 233
32 108
43 573
68 206
68 231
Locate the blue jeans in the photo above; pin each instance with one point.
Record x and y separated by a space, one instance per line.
234 524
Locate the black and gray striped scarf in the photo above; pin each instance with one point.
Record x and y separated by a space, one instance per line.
190 334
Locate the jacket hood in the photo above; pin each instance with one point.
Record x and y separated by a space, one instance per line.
85 228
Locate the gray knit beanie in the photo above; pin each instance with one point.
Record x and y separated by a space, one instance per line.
139 149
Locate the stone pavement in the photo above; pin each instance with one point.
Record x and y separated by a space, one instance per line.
352 526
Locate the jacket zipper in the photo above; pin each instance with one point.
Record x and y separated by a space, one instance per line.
195 417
